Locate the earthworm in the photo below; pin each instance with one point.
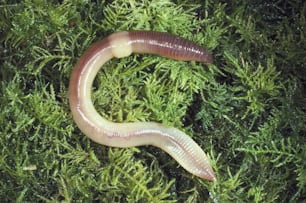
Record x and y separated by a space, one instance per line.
121 44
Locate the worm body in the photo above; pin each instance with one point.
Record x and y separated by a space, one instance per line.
176 143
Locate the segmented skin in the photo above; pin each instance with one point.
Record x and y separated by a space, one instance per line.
121 44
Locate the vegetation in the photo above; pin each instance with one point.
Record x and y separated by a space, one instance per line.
247 110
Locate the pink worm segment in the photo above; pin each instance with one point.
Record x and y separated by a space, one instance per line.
175 142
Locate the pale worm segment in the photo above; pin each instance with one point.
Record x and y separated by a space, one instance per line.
175 142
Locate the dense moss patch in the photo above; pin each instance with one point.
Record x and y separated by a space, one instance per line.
247 110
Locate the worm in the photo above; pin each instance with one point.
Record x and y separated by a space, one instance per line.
121 44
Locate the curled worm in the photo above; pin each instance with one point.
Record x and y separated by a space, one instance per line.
176 143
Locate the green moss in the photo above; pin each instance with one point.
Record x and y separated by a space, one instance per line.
247 110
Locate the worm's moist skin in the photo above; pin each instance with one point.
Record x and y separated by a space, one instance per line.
121 44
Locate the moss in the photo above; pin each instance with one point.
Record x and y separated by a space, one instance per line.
247 110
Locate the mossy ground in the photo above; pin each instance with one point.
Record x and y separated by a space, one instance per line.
247 110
